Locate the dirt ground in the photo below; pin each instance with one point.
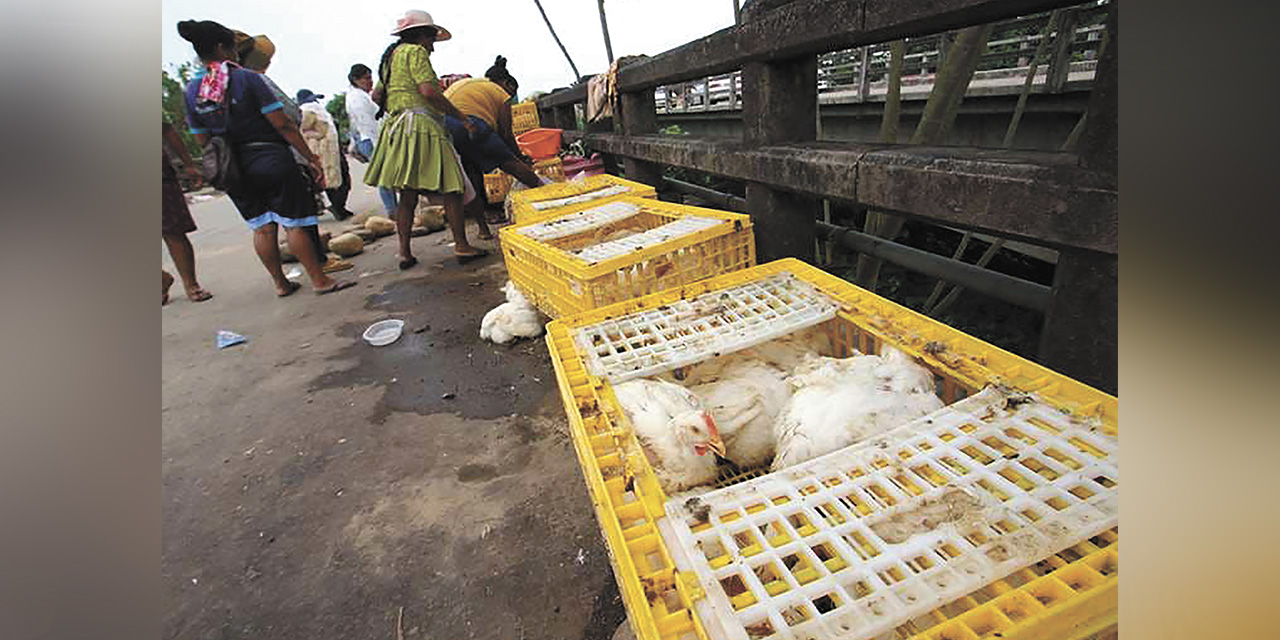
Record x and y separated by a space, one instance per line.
317 487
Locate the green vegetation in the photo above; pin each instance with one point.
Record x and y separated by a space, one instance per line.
337 107
171 90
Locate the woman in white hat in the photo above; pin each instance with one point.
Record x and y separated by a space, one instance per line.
414 154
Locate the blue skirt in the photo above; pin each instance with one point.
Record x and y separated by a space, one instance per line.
274 188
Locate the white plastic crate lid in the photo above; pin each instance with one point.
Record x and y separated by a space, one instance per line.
580 221
716 323
904 554
687 225
594 194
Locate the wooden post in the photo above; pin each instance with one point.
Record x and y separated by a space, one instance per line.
1060 59
780 103
863 84
949 87
552 29
944 48
639 117
565 118
1079 334
1098 141
1032 66
604 26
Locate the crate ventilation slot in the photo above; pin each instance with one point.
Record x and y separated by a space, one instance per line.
586 220
687 331
862 540
673 230
595 194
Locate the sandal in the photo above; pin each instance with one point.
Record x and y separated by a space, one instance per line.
199 295
338 285
293 288
408 263
464 258
167 281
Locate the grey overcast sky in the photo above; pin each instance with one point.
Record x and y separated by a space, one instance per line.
318 41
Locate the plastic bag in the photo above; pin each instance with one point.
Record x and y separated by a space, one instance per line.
227 338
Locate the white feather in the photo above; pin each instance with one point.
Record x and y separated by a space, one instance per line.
783 354
667 419
515 318
839 402
745 402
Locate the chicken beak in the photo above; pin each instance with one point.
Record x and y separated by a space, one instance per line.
717 446
714 442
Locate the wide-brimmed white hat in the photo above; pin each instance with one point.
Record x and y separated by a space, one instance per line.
415 18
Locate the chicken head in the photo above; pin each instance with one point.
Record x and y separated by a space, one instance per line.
699 429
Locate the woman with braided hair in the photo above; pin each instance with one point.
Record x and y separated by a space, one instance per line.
226 100
414 154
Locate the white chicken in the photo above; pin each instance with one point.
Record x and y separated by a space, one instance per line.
783 354
674 430
789 351
745 402
515 318
839 402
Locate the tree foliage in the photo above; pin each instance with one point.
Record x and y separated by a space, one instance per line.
172 87
337 107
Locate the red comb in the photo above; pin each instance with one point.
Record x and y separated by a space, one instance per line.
711 425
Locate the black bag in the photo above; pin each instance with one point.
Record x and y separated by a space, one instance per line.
218 162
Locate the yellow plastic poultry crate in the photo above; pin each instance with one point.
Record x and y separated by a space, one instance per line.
545 202
565 265
1070 594
524 117
498 183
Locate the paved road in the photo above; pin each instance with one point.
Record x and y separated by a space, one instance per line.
316 487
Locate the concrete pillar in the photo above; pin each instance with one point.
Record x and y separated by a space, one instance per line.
639 118
780 105
1079 334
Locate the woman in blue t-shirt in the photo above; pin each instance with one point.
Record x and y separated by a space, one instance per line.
223 99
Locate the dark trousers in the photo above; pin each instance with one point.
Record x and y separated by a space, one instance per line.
338 195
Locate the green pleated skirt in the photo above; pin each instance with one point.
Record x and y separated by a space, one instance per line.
414 151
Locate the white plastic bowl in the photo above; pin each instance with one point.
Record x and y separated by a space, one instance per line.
383 332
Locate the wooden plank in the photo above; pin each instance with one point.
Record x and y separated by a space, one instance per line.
1043 198
577 93
1060 57
863 85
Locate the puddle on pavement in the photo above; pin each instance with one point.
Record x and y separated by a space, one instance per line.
483 380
